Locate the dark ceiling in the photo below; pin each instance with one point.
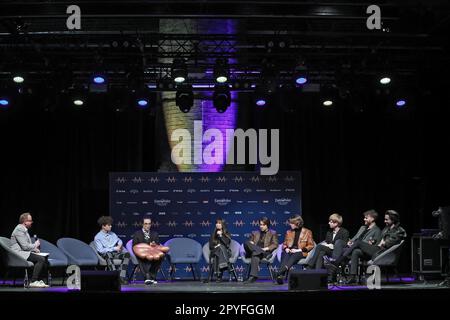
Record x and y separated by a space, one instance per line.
330 39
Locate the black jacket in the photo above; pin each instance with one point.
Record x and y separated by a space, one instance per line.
139 237
342 234
392 236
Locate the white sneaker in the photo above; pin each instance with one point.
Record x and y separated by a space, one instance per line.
43 284
37 284
154 281
148 282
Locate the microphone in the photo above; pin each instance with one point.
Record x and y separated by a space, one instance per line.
35 238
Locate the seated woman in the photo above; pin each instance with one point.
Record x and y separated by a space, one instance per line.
219 245
297 243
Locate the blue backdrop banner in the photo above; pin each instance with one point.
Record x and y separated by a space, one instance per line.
187 205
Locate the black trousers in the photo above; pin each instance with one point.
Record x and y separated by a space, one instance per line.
256 254
355 251
288 260
40 266
316 260
150 268
220 257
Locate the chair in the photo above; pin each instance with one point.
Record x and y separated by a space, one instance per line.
12 259
267 262
77 252
234 246
135 262
102 261
57 258
183 251
302 262
388 259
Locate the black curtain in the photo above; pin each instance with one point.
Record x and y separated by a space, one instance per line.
55 163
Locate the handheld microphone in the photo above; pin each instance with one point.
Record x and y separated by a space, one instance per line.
35 238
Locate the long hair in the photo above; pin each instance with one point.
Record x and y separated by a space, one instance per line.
225 233
296 220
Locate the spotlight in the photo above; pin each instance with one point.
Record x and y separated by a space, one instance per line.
179 70
301 79
78 96
18 78
260 97
385 80
327 103
98 79
4 102
221 98
221 70
184 98
328 95
400 103
142 99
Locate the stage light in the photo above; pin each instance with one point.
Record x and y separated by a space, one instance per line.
327 103
400 103
142 103
179 71
260 96
4 102
184 98
221 70
301 80
221 98
98 79
18 78
385 80
78 102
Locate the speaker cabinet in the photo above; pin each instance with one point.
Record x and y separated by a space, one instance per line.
308 280
100 281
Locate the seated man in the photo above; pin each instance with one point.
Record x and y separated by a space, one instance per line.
260 245
391 235
336 233
110 247
21 243
145 235
297 244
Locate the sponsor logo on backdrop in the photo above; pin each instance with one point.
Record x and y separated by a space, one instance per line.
252 201
180 201
260 190
134 191
191 191
205 235
287 212
247 190
205 223
137 224
120 191
265 201
118 202
205 201
154 180
204 179
162 202
239 201
205 269
226 212
177 191
238 179
272 179
192 202
219 190
283 201
238 212
255 223
121 224
205 190
222 202
239 223
161 213
163 191
187 179
221 179
192 235
254 179
171 224
289 190
155 224
212 213
250 212
137 180
188 224
289 179
275 190
136 214
171 179
147 191
233 190
121 180
131 202
274 223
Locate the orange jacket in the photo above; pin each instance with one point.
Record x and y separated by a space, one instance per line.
305 240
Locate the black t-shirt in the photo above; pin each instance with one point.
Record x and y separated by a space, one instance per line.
296 237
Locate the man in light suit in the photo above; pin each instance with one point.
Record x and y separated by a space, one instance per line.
21 243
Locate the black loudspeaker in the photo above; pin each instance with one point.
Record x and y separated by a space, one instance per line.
100 281
308 279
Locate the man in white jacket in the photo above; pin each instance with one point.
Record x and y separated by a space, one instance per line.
21 243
